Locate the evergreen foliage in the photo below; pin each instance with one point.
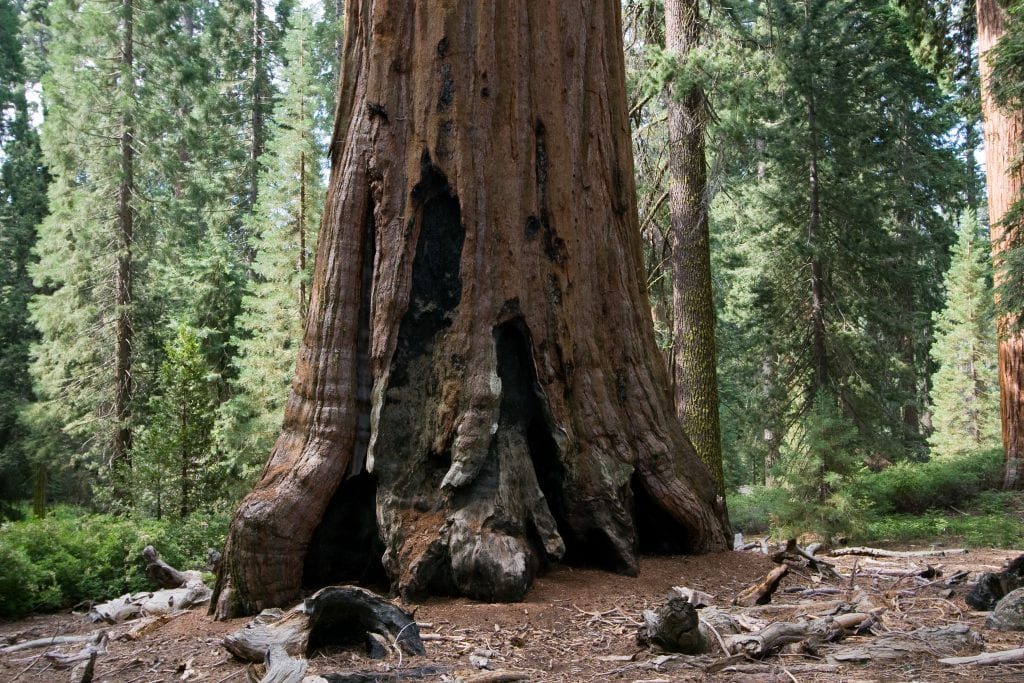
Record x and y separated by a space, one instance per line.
173 473
831 242
965 387
23 181
285 224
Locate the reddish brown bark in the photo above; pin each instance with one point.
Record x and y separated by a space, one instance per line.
693 334
1004 135
479 391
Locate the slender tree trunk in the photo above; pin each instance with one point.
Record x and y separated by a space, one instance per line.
1004 134
694 361
481 229
122 442
259 95
819 350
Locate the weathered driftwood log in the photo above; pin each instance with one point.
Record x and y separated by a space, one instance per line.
336 615
283 669
88 654
165 601
879 552
991 587
769 639
412 674
695 597
673 627
43 642
952 639
987 658
163 574
761 592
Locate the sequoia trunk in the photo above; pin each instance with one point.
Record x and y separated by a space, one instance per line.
478 392
1004 133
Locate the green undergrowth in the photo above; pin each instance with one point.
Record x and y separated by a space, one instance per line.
72 556
950 500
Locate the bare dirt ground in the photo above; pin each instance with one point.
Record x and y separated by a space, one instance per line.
576 625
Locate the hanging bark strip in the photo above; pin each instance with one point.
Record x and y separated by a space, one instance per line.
1004 135
479 392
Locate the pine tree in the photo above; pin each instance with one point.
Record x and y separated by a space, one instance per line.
831 243
965 388
285 225
82 364
172 459
23 180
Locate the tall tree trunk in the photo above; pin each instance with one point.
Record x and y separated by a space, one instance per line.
122 442
693 338
1004 134
481 227
819 350
259 86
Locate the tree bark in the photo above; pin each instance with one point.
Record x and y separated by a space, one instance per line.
693 334
478 391
1004 134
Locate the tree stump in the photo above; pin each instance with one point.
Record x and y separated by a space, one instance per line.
336 615
674 627
991 587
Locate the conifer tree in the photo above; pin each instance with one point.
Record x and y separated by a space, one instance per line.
832 244
82 365
23 180
965 387
172 460
285 226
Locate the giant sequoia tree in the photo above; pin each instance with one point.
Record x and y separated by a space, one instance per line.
1004 131
478 391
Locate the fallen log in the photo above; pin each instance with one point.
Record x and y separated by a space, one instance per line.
283 669
879 552
410 674
89 653
163 574
951 639
769 639
336 615
43 642
987 658
761 592
156 603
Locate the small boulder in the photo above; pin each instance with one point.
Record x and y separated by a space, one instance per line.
1009 613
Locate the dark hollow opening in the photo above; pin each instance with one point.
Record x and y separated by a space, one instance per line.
346 546
523 409
658 533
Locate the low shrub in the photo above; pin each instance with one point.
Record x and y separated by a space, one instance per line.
70 556
997 530
940 483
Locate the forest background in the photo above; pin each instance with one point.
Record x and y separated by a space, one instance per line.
163 171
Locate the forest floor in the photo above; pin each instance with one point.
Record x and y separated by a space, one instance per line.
575 625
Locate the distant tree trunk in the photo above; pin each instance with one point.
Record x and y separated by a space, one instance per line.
122 443
478 392
1004 134
693 338
260 85
819 349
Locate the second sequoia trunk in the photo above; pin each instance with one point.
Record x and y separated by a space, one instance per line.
478 392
